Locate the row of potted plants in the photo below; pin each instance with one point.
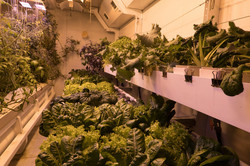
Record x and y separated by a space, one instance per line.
208 47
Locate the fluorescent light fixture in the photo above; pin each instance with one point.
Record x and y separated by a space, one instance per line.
25 4
40 7
70 0
82 1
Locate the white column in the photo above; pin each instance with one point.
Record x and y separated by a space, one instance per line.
212 8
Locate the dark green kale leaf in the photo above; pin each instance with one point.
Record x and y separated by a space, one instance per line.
232 82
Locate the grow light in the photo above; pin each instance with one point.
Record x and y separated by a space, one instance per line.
25 4
70 3
40 7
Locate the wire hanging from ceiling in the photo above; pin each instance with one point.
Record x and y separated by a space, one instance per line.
236 19
90 11
184 14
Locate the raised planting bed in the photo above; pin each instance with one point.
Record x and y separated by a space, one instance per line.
16 126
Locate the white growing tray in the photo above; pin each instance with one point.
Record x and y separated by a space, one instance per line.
198 95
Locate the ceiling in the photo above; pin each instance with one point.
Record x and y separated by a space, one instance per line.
116 18
137 4
114 13
77 4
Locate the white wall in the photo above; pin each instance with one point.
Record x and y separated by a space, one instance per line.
234 9
169 15
75 23
72 24
166 11
128 29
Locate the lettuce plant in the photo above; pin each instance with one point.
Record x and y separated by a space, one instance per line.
70 146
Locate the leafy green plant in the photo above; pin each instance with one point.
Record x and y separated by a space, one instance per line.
92 61
71 89
113 115
105 117
15 71
27 55
89 81
94 98
204 59
114 144
75 114
101 86
232 82
219 49
175 52
14 68
207 47
134 148
70 146
158 110
125 146
151 39
126 54
179 148
43 46
237 50
147 52
20 96
70 47
123 54
130 149
206 42
105 86
161 110
176 141
80 76
208 152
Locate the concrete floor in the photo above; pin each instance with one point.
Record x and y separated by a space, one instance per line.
28 156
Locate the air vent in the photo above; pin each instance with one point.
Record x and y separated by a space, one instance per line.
111 14
113 5
106 16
